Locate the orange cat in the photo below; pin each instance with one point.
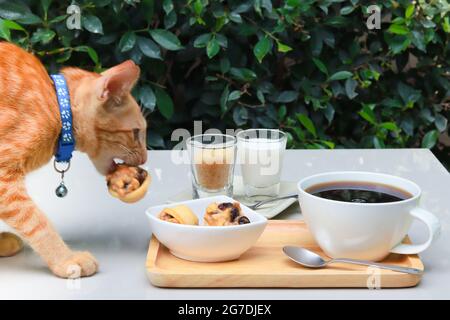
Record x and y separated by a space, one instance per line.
107 124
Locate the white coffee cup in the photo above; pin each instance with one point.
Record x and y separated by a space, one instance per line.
368 231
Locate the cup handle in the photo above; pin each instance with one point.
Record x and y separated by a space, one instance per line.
434 228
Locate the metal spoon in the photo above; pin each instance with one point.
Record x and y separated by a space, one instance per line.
263 202
310 259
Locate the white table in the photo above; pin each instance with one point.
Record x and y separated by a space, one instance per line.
118 234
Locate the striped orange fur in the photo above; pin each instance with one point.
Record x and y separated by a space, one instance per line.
105 119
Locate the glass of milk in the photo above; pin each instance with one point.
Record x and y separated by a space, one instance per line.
212 164
260 153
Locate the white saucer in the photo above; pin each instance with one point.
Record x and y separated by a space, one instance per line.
269 210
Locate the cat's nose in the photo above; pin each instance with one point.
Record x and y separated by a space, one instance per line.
143 158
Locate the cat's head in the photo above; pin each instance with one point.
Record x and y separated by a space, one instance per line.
108 119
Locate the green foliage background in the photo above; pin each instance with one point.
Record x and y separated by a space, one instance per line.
310 67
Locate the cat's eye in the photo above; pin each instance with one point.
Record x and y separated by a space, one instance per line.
136 134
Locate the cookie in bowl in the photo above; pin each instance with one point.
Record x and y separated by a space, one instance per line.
179 214
128 183
225 214
205 243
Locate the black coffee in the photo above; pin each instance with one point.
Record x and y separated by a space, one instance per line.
359 192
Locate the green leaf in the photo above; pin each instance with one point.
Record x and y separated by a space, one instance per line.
240 116
127 41
4 31
316 42
340 75
13 10
224 65
92 24
391 126
407 126
202 40
147 97
66 55
267 4
399 44
398 29
367 114
329 144
377 143
282 112
260 96
57 19
307 123
262 47
409 94
409 11
243 74
419 40
12 25
166 39
281 47
198 7
441 122
170 20
287 96
149 48
43 36
430 139
222 40
347 10
212 48
235 17
224 98
45 5
243 6
164 103
167 6
234 95
90 51
337 21
350 86
320 65
30 19
329 113
446 24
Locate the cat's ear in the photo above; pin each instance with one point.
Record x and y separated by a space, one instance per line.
118 81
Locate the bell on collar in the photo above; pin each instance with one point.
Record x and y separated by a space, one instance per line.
61 190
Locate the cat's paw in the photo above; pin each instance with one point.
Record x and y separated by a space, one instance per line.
78 264
10 244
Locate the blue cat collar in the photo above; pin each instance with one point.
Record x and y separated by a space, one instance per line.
66 140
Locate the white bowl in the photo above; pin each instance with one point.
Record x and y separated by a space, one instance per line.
206 243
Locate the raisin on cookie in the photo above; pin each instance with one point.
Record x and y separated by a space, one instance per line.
225 214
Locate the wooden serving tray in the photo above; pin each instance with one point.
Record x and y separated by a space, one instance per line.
265 265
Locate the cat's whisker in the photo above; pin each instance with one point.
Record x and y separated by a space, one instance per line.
132 155
127 150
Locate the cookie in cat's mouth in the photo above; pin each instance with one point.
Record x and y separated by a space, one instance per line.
113 165
127 183
116 162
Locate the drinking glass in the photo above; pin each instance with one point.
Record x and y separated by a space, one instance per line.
212 159
261 157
